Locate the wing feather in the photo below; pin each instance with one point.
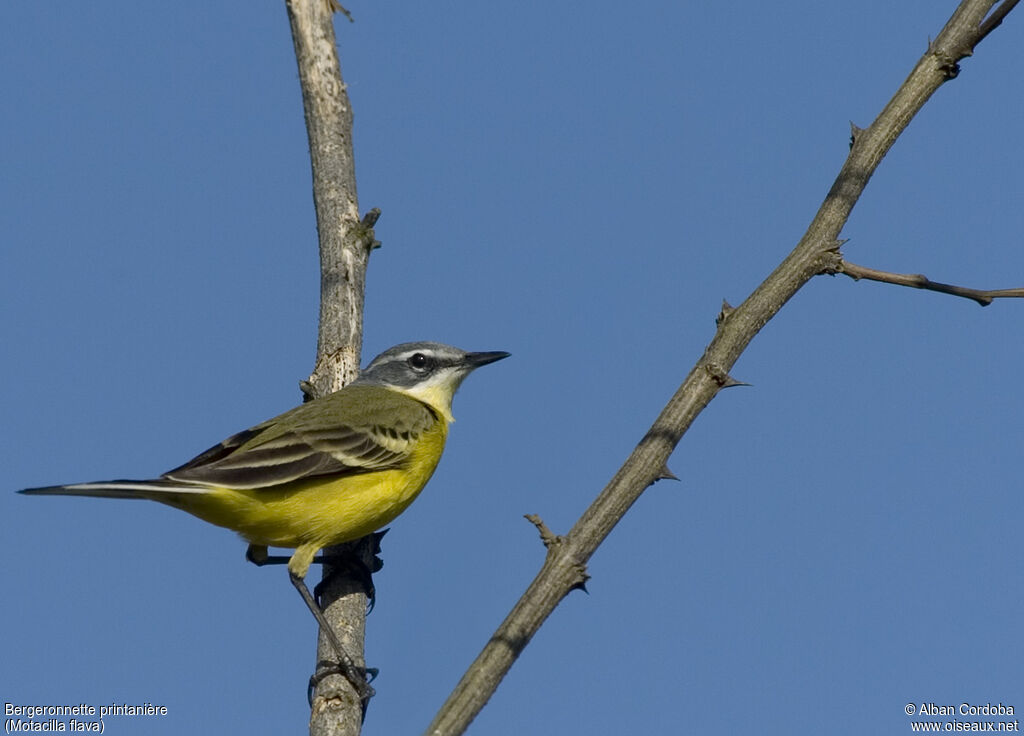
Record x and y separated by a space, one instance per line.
356 430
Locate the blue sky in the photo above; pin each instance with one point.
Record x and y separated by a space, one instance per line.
578 185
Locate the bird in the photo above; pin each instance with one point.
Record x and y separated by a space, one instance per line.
328 471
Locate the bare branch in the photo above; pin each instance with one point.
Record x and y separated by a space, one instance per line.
816 250
546 535
343 250
995 19
920 281
345 244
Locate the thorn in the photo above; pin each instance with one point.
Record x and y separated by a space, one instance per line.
730 382
666 474
855 130
333 6
723 314
371 217
719 376
367 236
581 584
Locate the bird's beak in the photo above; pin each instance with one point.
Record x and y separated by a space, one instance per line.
475 360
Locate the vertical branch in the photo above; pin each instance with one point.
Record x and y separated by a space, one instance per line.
345 245
343 252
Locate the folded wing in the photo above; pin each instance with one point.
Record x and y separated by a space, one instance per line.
309 442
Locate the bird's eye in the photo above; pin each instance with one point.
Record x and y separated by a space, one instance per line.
419 361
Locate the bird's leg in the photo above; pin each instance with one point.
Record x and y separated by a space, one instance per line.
347 564
258 556
354 674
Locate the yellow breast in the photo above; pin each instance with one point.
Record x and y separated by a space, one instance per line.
323 511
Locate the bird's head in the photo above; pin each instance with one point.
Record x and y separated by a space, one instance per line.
428 371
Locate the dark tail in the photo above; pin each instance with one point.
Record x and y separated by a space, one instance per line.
151 489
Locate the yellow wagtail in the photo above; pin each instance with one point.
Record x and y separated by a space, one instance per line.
329 471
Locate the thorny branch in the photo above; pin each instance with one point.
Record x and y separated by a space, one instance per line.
564 565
